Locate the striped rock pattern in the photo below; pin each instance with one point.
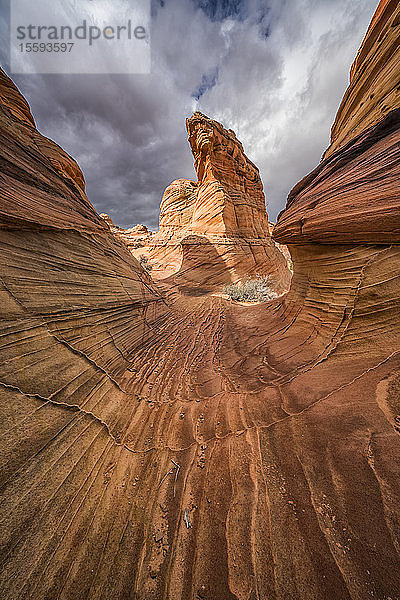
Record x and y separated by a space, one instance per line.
134 237
215 231
374 88
200 450
353 195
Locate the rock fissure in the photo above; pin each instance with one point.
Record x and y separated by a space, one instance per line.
283 416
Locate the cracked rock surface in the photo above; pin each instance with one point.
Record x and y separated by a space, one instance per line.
159 446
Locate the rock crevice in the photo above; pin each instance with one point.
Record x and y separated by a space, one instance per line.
283 417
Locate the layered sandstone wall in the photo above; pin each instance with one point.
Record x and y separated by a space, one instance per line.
230 199
215 231
134 237
352 195
340 357
177 207
75 305
226 452
374 89
349 205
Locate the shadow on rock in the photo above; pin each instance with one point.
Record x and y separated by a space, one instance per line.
203 269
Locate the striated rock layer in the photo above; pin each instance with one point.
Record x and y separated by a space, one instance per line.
204 450
324 207
353 194
215 230
374 89
134 237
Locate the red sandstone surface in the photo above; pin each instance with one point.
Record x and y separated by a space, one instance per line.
215 231
134 237
374 89
190 448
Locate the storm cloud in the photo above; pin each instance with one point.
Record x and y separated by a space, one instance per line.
274 71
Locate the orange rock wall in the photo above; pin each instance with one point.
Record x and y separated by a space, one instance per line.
352 195
215 231
230 198
177 206
374 88
201 449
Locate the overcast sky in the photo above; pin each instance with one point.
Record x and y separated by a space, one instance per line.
274 71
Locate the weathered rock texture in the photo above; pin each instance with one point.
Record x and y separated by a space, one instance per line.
242 453
353 194
374 89
215 230
134 237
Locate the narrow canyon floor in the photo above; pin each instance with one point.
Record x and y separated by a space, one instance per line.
238 453
159 442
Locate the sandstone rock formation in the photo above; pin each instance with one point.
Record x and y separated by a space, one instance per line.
215 230
134 237
204 449
374 79
363 154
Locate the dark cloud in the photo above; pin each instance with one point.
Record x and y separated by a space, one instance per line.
218 10
272 71
208 80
